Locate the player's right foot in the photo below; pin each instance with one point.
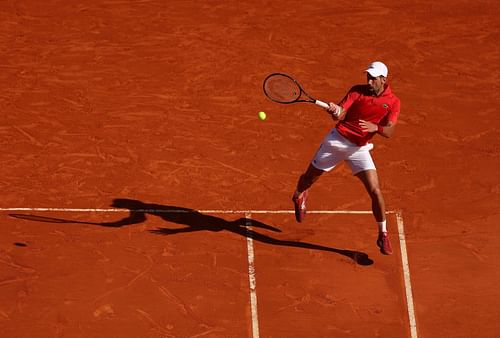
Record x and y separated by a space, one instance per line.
384 244
299 202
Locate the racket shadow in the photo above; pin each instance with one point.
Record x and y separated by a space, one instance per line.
194 221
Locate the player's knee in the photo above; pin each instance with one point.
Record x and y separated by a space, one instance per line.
376 193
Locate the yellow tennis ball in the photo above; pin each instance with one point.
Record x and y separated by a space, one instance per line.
262 115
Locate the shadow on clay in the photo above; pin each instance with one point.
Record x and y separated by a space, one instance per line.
197 221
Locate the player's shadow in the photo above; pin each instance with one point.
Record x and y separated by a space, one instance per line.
194 220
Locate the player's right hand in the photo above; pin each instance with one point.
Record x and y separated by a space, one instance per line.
334 109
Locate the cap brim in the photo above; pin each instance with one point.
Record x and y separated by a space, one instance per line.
372 72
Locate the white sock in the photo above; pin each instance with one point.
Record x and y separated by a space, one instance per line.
382 226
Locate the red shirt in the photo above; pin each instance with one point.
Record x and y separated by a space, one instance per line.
361 104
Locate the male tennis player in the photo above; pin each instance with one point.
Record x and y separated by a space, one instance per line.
366 110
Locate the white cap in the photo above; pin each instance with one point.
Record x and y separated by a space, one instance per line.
377 68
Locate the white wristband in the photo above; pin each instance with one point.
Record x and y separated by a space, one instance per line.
337 111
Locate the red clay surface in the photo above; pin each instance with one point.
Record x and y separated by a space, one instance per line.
157 101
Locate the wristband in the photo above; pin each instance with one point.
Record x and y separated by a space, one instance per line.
380 129
337 111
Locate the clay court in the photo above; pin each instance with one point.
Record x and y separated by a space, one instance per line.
143 197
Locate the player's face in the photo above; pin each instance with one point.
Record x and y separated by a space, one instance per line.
376 84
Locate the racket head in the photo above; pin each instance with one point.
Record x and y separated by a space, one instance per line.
282 88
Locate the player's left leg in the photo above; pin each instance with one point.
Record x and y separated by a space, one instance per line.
370 180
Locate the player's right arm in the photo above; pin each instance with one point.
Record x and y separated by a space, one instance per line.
336 111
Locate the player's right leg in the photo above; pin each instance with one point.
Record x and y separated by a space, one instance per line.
299 197
330 153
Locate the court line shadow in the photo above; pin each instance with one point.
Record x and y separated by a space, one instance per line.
196 221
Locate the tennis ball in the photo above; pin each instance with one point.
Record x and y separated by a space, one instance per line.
262 115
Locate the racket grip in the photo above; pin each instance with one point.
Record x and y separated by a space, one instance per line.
322 104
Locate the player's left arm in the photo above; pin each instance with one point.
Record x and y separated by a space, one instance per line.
386 131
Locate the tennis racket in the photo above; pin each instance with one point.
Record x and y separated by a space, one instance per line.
283 88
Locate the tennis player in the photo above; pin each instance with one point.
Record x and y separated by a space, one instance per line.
365 110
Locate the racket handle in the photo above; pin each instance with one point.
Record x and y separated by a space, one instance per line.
322 104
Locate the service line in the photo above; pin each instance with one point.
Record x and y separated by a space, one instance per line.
173 210
251 276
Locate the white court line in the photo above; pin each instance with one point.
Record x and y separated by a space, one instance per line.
359 212
251 277
251 264
406 275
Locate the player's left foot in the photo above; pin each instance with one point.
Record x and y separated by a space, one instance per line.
384 244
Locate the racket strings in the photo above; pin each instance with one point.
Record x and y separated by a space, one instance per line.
282 89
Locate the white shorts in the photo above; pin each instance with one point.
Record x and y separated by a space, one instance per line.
336 148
